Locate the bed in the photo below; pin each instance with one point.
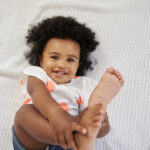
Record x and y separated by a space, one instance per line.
123 29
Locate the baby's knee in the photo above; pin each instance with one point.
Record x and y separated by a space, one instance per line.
22 111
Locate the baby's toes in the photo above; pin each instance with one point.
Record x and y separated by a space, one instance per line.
110 70
122 81
118 74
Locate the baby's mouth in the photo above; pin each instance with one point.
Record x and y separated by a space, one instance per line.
59 73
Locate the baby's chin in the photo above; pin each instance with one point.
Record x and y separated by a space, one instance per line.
62 81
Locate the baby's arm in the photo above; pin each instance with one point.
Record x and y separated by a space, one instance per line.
62 123
40 97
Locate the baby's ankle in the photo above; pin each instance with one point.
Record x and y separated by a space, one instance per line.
97 99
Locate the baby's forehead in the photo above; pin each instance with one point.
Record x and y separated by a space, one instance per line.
63 47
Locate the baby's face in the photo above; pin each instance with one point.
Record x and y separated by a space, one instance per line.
60 59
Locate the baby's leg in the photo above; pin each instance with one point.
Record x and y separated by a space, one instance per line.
108 87
91 119
29 120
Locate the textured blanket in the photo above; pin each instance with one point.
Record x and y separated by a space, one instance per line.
123 29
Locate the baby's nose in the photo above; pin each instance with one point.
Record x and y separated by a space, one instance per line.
61 64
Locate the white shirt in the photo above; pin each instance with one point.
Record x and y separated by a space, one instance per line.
73 96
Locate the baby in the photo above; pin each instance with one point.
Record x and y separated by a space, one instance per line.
65 109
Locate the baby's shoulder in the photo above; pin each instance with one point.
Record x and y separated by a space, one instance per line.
33 69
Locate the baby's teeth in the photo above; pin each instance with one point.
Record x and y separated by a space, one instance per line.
60 73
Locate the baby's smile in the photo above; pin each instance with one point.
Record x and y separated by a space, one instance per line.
59 73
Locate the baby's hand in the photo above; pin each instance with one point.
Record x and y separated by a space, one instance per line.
64 125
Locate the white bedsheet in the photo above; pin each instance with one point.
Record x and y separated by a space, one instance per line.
122 27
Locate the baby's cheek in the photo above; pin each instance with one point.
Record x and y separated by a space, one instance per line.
74 71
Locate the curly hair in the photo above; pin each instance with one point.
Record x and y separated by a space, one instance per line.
63 28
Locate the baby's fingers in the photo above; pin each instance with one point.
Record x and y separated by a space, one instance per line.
62 141
70 141
77 127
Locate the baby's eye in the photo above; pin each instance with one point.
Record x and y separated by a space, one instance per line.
55 57
70 60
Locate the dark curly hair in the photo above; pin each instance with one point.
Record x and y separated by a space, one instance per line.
63 28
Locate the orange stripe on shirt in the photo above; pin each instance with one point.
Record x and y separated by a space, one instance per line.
21 82
27 101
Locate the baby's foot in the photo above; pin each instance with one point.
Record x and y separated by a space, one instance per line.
91 119
108 87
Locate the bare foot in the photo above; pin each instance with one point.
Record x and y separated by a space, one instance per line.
91 119
108 87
